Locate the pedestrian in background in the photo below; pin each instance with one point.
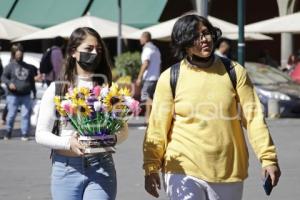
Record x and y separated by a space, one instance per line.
19 79
37 78
75 175
291 64
2 91
196 138
5 110
56 60
1 66
266 58
295 74
223 48
149 71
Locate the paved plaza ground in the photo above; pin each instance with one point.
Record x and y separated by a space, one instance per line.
25 167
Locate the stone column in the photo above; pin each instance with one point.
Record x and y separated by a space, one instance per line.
286 7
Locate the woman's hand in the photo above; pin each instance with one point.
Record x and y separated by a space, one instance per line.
76 146
274 172
152 183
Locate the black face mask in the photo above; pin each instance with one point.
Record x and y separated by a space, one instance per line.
88 61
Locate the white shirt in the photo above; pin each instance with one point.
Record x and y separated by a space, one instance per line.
218 53
151 53
47 117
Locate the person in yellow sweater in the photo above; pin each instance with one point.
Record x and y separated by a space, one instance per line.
196 138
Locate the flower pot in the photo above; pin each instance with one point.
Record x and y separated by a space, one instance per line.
98 144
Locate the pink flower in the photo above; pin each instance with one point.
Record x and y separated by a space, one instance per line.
67 106
134 106
97 90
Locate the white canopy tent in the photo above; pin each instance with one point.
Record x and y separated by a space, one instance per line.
163 30
10 29
248 36
104 27
283 24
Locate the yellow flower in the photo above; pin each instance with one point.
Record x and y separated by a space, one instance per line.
114 89
61 111
119 108
79 94
112 97
57 100
83 109
124 80
124 91
59 108
68 96
107 101
84 90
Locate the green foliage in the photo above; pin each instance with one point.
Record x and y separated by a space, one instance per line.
128 64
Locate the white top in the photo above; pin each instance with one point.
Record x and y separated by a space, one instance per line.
151 53
218 53
47 117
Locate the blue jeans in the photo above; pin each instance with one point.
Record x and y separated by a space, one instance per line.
83 178
13 102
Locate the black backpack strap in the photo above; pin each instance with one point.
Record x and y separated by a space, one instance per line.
230 70
174 73
56 126
175 69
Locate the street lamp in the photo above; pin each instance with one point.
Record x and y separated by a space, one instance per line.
119 43
201 6
241 23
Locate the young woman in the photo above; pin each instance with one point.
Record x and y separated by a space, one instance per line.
76 175
196 138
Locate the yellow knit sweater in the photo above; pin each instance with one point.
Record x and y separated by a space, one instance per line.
199 133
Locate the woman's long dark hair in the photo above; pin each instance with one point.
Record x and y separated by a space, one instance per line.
186 31
105 65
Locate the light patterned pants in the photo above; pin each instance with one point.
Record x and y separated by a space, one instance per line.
184 187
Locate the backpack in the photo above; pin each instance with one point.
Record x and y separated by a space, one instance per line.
46 64
175 69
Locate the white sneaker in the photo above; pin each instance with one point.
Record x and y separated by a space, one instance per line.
142 127
6 138
24 138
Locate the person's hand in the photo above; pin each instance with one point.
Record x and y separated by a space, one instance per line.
274 172
38 77
12 86
138 82
76 146
43 76
152 183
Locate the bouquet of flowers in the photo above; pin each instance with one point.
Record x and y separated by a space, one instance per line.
97 114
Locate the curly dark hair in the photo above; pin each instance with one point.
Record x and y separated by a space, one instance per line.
185 32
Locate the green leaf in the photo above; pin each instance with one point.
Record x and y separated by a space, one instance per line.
128 64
